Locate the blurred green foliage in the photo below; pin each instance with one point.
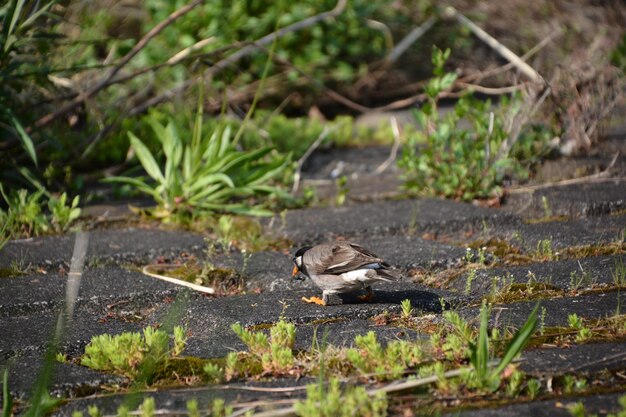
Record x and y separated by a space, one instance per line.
455 155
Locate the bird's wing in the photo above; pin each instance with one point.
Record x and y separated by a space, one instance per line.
346 257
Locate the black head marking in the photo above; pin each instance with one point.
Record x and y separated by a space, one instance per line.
301 251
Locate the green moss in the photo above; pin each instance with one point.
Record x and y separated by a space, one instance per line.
547 219
10 273
587 251
515 292
172 370
505 253
327 321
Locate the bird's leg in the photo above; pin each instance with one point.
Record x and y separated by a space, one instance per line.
316 300
369 295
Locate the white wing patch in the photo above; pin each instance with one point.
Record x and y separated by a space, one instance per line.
356 275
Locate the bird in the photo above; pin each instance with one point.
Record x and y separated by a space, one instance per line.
340 267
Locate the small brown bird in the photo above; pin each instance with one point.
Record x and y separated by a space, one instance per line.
340 267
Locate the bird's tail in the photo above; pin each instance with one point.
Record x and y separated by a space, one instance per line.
387 274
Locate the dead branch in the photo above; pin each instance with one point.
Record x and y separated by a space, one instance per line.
143 42
519 120
594 178
303 158
505 52
243 52
410 39
394 149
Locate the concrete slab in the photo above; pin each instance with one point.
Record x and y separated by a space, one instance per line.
176 399
578 200
561 234
578 359
34 293
33 332
570 274
389 217
68 380
121 245
209 320
557 407
592 306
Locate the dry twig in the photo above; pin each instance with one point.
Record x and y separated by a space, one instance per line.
594 178
104 81
394 149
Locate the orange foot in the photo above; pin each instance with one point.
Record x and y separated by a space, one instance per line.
314 300
369 296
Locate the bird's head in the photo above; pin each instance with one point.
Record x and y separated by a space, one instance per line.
299 265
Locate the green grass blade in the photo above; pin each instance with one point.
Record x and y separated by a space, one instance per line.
187 163
521 338
240 160
482 352
14 15
210 154
36 15
209 179
206 194
25 138
145 157
224 141
138 184
7 400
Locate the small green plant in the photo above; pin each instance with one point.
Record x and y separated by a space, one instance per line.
94 411
220 409
204 174
579 280
148 407
469 256
215 374
533 387
407 309
578 409
332 401
372 360
547 211
275 352
544 249
131 354
24 215
192 408
342 190
576 323
231 368
455 161
514 385
63 215
572 384
453 343
468 282
487 377
619 273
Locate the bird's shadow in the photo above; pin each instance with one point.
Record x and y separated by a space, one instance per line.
420 300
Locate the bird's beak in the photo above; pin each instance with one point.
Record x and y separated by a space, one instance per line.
295 274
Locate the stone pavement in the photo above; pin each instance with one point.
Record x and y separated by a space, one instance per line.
425 239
